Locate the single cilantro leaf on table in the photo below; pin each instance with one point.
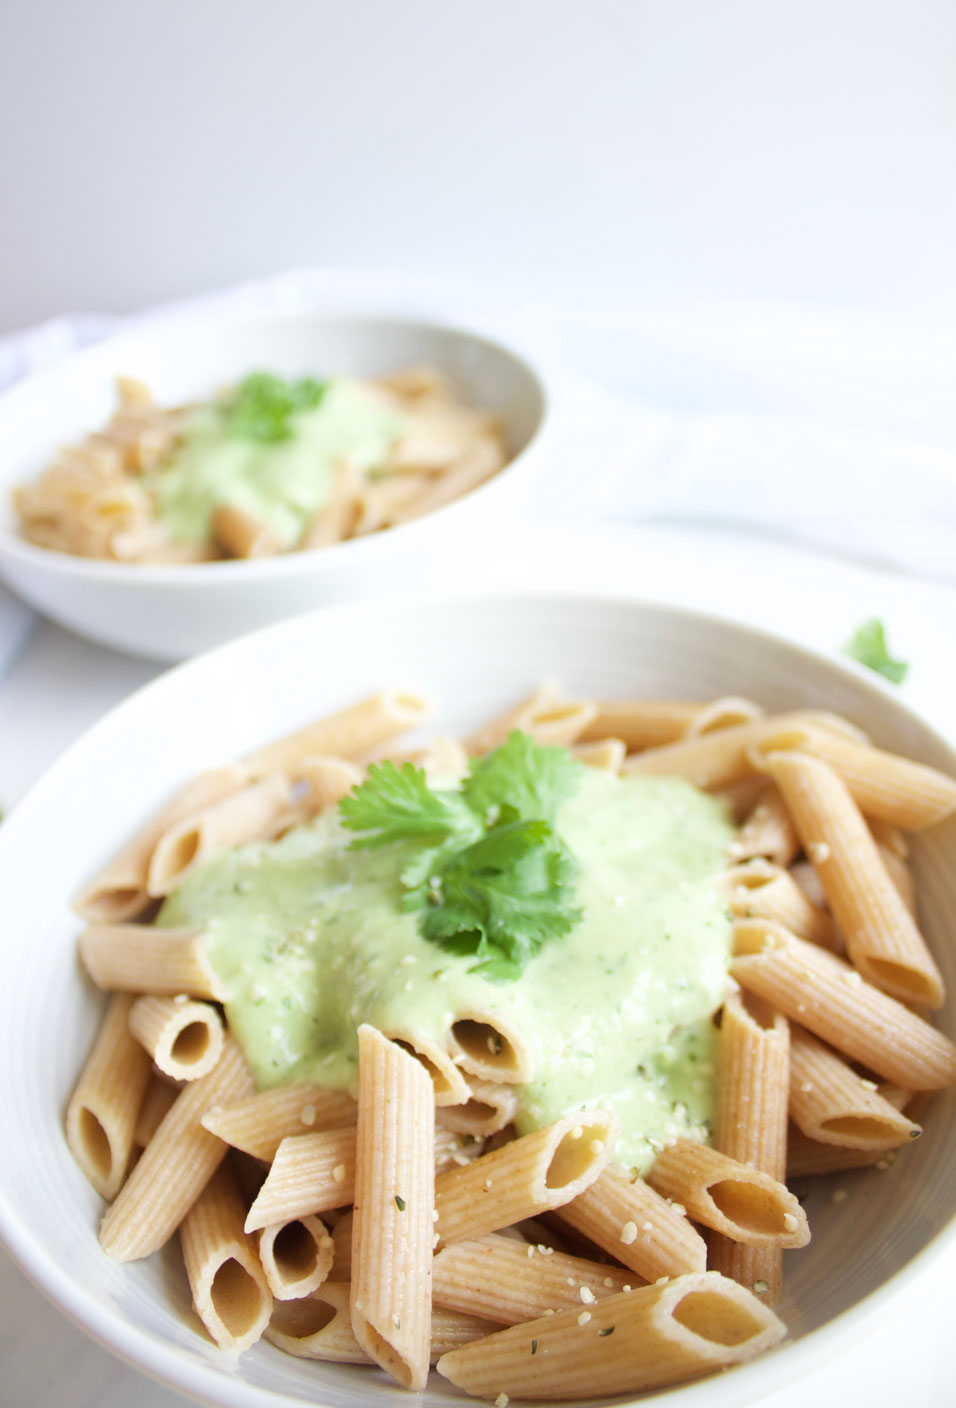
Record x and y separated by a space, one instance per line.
263 404
869 647
492 878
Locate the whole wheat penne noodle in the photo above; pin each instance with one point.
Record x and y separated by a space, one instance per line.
830 1103
889 838
119 892
175 1166
317 1327
259 1124
311 1173
381 503
728 1196
751 1125
160 1095
448 1083
902 877
103 1109
726 712
546 717
251 814
238 534
453 1149
608 754
442 757
499 1279
807 878
336 519
806 1158
341 1268
451 1329
487 1046
741 797
393 1228
641 1339
758 889
881 938
720 759
183 1038
353 732
137 958
768 832
478 463
296 1256
642 723
623 1215
329 780
489 1107
230 1293
533 1174
885 786
827 996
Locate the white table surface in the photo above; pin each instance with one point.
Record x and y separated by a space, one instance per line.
60 684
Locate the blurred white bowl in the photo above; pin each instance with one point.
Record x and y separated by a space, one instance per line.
473 655
171 612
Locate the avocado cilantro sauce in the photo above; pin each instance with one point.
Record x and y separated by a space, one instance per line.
269 449
580 910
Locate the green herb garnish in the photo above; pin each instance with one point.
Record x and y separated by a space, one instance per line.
869 647
262 406
491 876
400 1203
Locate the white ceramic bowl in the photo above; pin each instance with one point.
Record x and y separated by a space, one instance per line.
473 655
171 612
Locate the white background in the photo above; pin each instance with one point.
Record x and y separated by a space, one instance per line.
617 150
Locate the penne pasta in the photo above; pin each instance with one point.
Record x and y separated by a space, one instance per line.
296 1257
392 1230
175 1166
508 1281
487 1046
642 1339
624 1216
533 1174
489 1108
831 1104
101 1117
882 940
642 723
731 1197
229 1290
353 733
543 716
830 999
136 958
760 890
183 1038
259 1124
311 1173
160 1095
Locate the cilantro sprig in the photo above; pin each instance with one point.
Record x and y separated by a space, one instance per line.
490 876
869 647
262 406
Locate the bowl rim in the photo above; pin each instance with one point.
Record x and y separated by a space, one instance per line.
205 1383
108 572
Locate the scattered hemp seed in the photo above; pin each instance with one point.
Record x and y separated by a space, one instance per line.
584 1317
761 1288
338 1173
307 1115
628 1233
530 1251
400 1203
790 1222
839 1195
396 1321
609 1282
818 851
587 1295
647 1227
597 1146
502 1401
627 1288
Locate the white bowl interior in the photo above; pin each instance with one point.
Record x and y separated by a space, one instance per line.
473 655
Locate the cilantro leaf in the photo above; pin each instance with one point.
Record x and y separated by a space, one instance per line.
524 775
397 804
262 406
869 647
491 878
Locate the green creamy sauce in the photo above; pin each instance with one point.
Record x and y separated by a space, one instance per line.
311 940
282 484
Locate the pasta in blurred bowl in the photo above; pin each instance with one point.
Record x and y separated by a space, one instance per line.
188 481
659 705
